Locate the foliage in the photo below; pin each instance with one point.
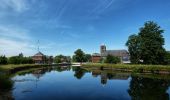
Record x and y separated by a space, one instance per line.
112 59
133 44
147 45
3 60
79 55
167 58
87 58
61 58
20 59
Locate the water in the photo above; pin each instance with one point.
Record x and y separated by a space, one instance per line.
74 83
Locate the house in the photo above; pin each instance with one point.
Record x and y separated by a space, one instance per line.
39 58
96 57
122 54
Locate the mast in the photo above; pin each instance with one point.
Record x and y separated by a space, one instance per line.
38 46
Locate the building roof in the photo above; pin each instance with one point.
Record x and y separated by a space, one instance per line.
96 54
39 54
115 53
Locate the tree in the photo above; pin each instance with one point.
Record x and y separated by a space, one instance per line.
61 58
79 55
112 59
133 44
3 60
87 58
152 42
147 45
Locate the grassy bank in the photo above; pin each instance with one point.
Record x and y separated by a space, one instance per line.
15 68
162 69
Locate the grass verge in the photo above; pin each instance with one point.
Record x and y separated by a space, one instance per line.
160 69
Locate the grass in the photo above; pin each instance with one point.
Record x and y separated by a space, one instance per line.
129 67
14 68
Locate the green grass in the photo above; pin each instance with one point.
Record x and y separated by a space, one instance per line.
20 67
128 67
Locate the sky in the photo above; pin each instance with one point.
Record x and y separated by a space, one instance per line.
62 26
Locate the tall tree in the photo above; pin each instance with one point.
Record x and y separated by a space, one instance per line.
147 45
151 43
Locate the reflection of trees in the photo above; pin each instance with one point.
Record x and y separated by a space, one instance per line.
79 73
148 89
5 86
63 68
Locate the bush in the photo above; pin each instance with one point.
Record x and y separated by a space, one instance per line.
112 59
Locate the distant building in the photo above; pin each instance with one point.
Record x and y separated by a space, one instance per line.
96 57
122 54
39 58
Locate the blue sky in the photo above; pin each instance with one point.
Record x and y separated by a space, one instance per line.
62 26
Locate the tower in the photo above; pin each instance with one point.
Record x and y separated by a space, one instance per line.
102 48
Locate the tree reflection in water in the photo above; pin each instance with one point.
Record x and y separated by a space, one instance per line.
79 72
148 89
5 87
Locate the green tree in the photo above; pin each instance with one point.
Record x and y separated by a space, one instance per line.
133 44
112 59
3 60
79 55
61 58
87 58
58 59
147 45
152 42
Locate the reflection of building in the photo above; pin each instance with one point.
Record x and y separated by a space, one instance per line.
39 58
109 76
122 54
103 78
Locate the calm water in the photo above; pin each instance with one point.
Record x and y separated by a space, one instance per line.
73 83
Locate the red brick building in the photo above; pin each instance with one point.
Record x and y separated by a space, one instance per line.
96 58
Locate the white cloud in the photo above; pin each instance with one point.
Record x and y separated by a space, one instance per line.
13 33
11 47
14 40
16 5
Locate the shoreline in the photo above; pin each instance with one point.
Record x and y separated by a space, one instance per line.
8 69
155 69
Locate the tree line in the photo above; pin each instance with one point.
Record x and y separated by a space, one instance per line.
20 59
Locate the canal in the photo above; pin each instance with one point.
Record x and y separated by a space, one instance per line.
74 83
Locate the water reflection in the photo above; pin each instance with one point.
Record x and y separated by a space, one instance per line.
148 89
5 87
105 75
58 80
